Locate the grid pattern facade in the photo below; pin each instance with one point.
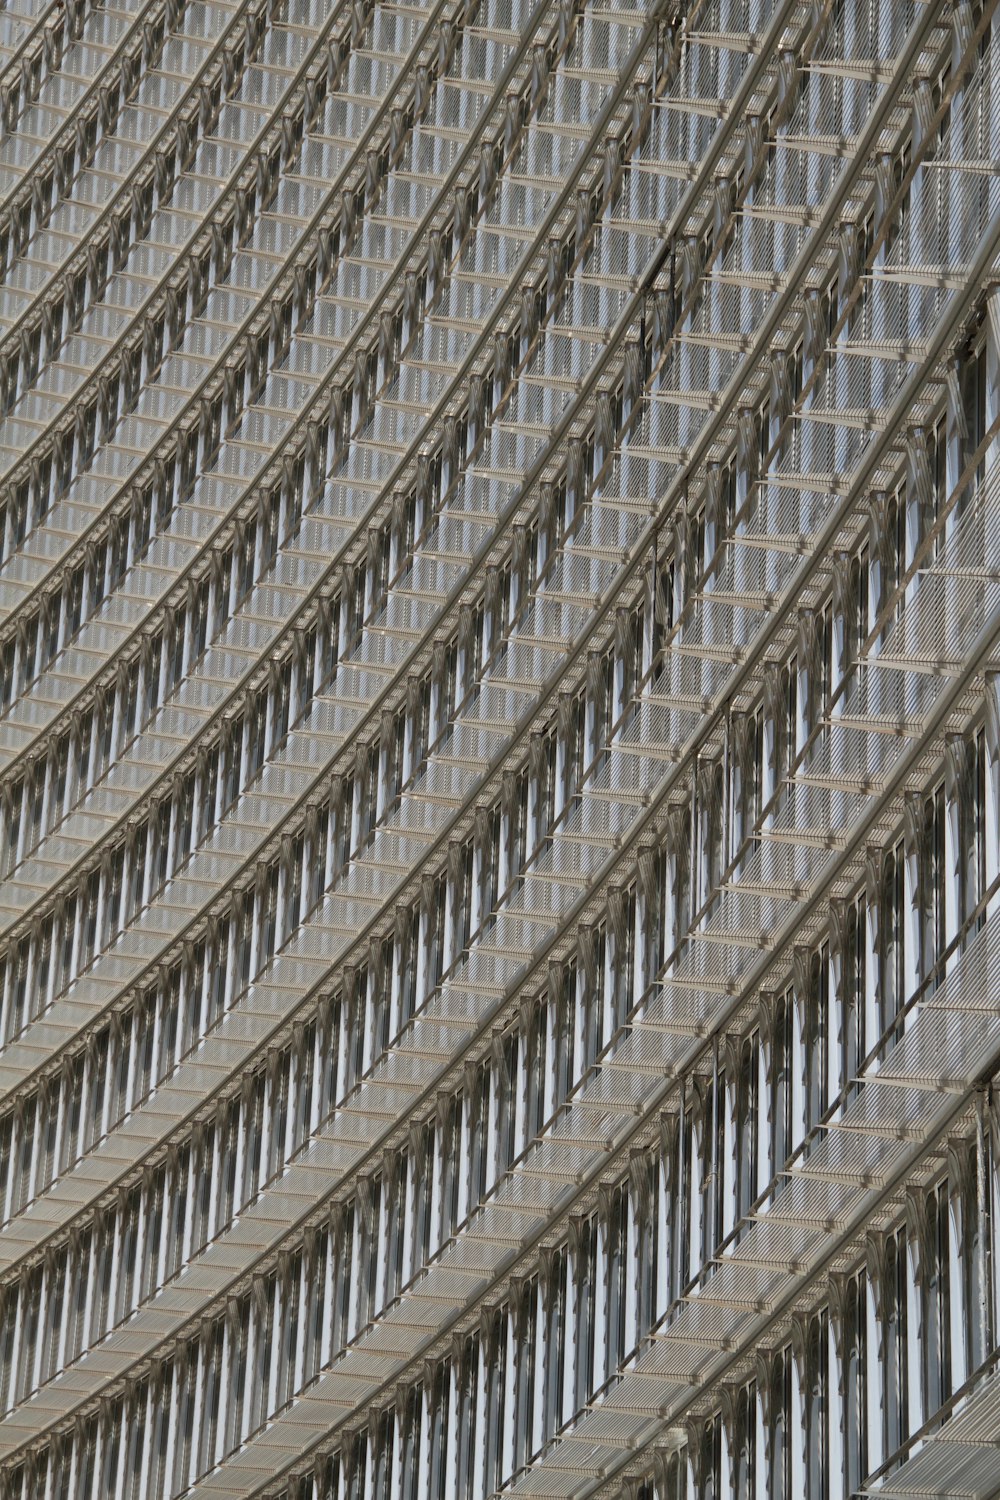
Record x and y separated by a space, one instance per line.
499 749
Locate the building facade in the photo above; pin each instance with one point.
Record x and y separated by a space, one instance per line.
499 749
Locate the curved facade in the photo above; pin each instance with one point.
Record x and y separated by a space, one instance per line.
499 749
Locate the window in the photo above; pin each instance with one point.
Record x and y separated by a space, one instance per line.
855 1429
743 1458
850 970
780 1077
780 714
891 938
778 1427
747 763
709 1460
973 384
926 831
816 1383
936 1311
616 1241
745 1085
895 1403
967 764
815 1032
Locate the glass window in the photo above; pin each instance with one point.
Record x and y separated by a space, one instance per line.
936 1341
780 1466
781 1084
891 939
854 1382
817 1402
746 1086
852 993
743 1460
710 1464
895 1405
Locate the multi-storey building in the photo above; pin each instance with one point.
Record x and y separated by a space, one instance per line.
499 749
